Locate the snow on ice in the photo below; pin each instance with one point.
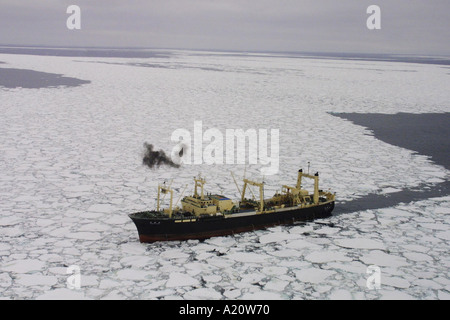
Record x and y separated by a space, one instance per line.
71 170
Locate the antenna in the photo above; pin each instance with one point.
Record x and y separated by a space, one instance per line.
182 193
235 183
308 166
170 184
251 191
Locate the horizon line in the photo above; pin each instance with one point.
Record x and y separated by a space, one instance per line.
307 52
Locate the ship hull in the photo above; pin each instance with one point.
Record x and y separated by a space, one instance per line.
151 230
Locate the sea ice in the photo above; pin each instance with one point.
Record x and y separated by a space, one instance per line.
395 282
116 295
174 254
202 294
340 294
276 237
137 261
133 274
9 221
313 275
360 243
23 265
36 280
247 257
101 208
62 294
177 279
445 235
232 294
416 256
212 278
93 236
379 258
157 294
274 270
301 244
327 230
326 256
287 253
395 295
5 280
276 285
427 283
71 171
262 295
443 295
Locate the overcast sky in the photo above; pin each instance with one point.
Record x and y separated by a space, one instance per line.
407 26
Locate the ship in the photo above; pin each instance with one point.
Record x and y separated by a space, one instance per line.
203 216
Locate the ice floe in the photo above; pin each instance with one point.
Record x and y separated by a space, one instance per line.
23 265
313 275
71 170
360 243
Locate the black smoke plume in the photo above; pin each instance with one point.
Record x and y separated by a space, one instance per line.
156 158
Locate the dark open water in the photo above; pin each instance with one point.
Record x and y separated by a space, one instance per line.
427 134
23 78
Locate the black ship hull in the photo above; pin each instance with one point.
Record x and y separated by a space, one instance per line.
156 229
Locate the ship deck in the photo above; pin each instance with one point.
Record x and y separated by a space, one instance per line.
187 216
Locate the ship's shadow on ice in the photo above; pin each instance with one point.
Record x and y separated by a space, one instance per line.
426 134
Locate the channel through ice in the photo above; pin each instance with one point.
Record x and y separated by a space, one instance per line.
71 171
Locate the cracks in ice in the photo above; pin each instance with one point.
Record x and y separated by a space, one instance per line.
68 185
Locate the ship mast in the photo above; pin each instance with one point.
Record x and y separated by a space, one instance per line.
164 190
261 192
237 187
199 182
316 183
